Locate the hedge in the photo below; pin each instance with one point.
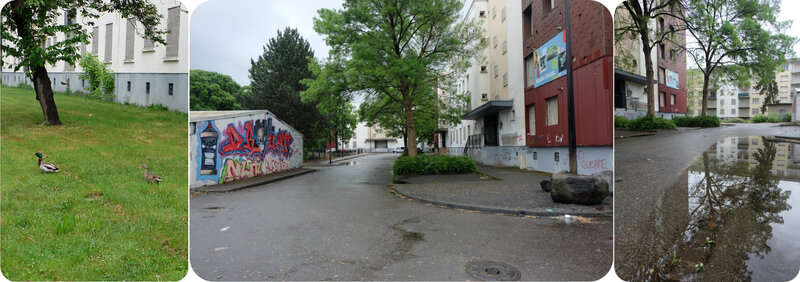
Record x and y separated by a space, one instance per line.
424 164
698 121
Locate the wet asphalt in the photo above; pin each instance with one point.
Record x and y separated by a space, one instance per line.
342 223
645 169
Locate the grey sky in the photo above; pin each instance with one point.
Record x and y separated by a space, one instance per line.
226 34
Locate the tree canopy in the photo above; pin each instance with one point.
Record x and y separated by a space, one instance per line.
212 91
396 50
275 83
27 24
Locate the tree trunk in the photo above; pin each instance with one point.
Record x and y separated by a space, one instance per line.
705 94
44 93
649 74
411 138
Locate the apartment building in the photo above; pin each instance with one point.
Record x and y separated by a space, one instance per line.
145 72
517 112
669 67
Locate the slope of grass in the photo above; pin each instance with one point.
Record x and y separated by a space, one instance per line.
97 219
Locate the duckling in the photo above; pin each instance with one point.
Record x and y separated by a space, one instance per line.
149 177
46 167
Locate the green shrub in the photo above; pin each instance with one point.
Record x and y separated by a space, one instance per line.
736 120
101 82
698 121
424 164
787 117
621 122
649 123
765 118
24 85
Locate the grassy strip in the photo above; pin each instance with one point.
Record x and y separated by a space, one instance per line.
97 219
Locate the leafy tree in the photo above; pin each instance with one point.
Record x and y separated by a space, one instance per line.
213 91
330 91
27 24
636 20
741 38
101 82
770 91
276 83
398 49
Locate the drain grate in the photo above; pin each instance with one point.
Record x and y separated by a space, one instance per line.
492 271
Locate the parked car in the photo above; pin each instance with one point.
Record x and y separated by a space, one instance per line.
399 150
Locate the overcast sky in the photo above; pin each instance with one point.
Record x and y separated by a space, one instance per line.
226 34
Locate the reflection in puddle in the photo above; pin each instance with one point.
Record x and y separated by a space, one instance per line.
734 220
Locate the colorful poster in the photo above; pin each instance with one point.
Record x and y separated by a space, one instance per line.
550 60
672 79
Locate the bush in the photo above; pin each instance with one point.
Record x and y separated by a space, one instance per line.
424 164
765 118
698 121
649 123
101 82
787 117
621 122
24 85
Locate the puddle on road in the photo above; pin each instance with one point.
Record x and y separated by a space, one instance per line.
732 217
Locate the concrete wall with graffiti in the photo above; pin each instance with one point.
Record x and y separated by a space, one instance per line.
591 160
230 146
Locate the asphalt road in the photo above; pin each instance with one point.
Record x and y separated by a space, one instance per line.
342 223
647 167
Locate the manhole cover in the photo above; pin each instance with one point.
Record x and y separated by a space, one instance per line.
492 271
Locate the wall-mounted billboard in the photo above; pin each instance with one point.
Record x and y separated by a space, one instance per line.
550 60
672 79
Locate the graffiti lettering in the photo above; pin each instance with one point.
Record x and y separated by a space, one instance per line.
243 141
595 164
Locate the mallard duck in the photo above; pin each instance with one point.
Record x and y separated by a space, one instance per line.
46 167
149 177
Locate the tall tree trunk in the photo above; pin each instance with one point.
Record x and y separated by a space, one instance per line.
44 93
705 94
649 74
411 138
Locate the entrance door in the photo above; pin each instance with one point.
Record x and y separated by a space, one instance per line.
490 131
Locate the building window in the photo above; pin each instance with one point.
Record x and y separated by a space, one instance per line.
174 28
503 15
663 50
494 41
552 110
755 100
662 75
130 34
753 141
722 102
505 80
733 112
662 99
129 86
505 46
733 102
483 69
170 89
530 70
721 111
109 35
784 88
147 88
547 6
95 39
482 14
673 99
532 119
784 78
496 70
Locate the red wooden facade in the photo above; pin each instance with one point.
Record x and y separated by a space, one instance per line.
592 43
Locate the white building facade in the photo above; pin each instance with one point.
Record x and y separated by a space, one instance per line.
146 73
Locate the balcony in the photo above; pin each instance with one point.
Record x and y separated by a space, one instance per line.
744 103
744 95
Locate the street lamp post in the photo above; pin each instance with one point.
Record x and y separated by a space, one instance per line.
573 158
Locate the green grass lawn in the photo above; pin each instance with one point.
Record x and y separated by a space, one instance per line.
97 219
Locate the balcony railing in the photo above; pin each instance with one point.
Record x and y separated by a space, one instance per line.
744 95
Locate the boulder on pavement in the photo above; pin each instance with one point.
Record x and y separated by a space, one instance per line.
578 189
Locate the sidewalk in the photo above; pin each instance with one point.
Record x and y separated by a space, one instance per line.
512 191
253 181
